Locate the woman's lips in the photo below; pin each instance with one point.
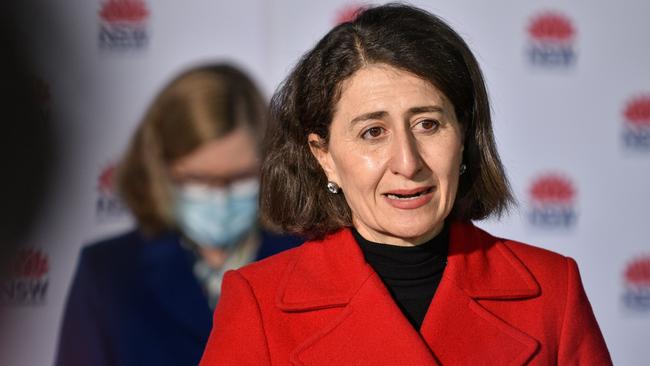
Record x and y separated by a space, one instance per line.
409 199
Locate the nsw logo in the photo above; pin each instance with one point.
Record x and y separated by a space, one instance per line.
636 296
123 24
552 202
108 205
551 40
28 279
636 124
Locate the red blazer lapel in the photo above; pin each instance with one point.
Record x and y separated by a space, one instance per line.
369 329
457 328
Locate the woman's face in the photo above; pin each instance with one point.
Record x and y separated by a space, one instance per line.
216 193
395 150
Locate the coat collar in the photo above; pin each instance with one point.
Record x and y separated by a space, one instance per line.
333 273
479 264
308 284
483 267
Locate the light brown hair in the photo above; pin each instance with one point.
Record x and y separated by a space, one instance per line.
197 106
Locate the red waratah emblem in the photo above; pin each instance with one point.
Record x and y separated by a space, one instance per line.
638 272
551 26
552 188
30 263
106 178
348 13
637 111
124 11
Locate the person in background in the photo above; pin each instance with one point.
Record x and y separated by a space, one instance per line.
190 178
383 155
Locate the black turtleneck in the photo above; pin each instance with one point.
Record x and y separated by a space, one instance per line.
411 274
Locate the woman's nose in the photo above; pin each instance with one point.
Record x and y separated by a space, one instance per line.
405 156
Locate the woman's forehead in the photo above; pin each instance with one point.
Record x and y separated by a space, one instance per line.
231 154
376 87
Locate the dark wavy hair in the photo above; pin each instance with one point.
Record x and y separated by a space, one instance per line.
294 198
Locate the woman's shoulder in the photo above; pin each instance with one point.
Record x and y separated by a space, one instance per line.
512 264
516 258
118 242
533 255
129 240
129 249
544 264
533 252
269 272
524 251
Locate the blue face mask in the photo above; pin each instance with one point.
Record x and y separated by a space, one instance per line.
217 217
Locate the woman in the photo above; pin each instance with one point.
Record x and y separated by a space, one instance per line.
190 177
384 154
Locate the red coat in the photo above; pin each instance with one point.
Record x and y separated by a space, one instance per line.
499 303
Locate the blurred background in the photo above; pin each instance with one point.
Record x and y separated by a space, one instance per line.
569 84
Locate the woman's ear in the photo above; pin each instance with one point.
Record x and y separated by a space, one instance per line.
318 148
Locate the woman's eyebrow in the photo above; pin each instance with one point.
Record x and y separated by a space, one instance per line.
425 109
367 116
383 114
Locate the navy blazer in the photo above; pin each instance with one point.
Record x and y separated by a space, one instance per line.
135 301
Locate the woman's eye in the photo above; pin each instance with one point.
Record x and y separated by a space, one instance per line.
428 124
372 133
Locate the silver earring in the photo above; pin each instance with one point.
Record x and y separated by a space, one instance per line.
463 169
333 187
